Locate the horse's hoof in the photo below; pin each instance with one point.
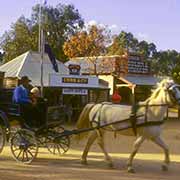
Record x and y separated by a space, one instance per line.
164 167
130 170
84 162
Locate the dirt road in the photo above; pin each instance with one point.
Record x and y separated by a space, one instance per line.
68 167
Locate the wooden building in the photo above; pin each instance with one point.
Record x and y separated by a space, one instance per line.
130 74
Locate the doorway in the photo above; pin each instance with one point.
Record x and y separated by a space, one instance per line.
74 105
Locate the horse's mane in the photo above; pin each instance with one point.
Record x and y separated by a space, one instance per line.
160 86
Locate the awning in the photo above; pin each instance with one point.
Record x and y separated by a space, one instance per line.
139 80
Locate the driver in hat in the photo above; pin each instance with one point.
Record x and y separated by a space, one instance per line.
21 97
21 93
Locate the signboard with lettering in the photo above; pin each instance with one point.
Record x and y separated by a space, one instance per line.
75 80
137 66
59 80
74 91
74 69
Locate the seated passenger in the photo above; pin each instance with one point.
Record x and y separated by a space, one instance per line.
39 107
35 95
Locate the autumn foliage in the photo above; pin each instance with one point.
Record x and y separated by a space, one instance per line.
87 43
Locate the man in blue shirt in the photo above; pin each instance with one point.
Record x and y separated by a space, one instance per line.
21 96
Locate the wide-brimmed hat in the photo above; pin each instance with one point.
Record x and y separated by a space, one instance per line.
25 78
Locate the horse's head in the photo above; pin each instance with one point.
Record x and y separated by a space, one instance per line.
172 89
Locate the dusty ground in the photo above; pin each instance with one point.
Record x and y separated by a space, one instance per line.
68 167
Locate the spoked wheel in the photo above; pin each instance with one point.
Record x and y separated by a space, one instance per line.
24 146
57 146
2 138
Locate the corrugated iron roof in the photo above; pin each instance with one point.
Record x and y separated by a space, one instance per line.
141 79
12 68
29 64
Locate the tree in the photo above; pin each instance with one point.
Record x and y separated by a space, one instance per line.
164 62
123 43
176 74
115 48
151 49
146 49
89 43
18 40
126 42
58 23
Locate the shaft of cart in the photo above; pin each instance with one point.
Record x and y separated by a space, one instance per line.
78 131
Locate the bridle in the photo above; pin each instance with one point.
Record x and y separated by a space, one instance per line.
172 90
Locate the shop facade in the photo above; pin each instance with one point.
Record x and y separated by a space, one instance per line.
75 91
130 74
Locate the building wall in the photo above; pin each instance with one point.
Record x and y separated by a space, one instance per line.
98 96
110 80
131 63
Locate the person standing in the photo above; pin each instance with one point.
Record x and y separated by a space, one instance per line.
116 98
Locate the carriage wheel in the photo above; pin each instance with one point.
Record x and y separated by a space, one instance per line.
2 138
59 145
24 146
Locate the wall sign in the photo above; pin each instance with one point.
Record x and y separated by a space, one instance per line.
74 91
136 65
66 80
75 80
74 69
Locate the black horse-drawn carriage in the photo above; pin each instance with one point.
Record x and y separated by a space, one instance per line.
24 142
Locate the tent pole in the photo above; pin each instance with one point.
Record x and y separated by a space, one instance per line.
41 47
42 59
39 40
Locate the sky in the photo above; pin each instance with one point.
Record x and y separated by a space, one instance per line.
156 21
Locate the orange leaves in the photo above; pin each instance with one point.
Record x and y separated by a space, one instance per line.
86 43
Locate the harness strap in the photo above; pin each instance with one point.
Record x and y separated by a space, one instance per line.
132 119
133 116
100 112
99 118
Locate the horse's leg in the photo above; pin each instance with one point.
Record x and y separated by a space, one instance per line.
101 144
90 141
137 144
161 143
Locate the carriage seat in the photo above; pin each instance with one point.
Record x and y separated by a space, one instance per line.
11 109
14 110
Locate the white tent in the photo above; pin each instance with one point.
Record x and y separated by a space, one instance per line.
29 64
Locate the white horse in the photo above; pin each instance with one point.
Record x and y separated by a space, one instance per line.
150 114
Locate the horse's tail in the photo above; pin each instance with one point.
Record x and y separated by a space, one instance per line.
83 120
